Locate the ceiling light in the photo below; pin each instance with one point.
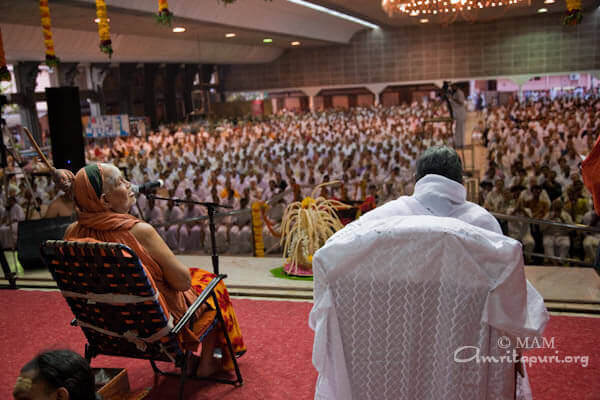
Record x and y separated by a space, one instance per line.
267 40
542 10
422 8
230 35
295 43
334 13
423 20
179 29
549 1
97 20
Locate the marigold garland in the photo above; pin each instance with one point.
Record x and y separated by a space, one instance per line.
4 72
103 28
574 13
257 228
51 59
164 16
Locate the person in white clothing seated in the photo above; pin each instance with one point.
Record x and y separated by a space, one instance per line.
439 192
398 291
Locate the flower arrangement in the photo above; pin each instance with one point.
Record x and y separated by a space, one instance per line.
305 227
103 28
257 228
4 72
164 16
51 59
574 13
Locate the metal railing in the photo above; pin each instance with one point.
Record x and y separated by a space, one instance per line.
568 227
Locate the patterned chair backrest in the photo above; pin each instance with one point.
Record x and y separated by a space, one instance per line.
113 299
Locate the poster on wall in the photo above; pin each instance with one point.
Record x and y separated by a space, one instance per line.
138 126
107 126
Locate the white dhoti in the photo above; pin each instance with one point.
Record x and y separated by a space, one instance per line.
556 245
590 246
245 240
222 243
171 235
234 240
8 235
190 238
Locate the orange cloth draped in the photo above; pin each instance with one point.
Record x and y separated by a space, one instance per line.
590 169
97 222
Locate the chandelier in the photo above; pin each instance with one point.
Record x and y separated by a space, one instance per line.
426 8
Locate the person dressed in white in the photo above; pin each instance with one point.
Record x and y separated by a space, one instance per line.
438 191
171 233
556 240
10 222
191 235
466 248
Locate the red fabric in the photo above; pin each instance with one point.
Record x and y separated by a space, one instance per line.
278 363
590 169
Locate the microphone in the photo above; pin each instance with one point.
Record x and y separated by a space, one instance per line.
147 187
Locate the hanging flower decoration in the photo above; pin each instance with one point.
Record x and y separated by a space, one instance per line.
4 72
103 28
51 59
257 228
574 13
164 16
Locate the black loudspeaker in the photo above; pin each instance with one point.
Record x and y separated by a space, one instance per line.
66 130
492 85
31 234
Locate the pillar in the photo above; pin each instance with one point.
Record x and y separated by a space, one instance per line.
150 71
190 71
98 72
126 71
170 95
67 73
26 74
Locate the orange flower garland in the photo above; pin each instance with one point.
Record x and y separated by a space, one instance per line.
4 72
257 228
51 59
164 16
574 13
103 28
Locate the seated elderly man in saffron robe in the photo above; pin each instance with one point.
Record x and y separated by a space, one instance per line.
513 306
103 198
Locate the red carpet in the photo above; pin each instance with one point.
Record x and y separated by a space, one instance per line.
278 362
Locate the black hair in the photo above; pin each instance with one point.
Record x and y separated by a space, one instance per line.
67 369
440 160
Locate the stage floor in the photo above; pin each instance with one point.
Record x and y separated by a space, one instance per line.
563 288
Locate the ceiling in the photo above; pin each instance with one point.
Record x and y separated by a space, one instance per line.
137 37
371 10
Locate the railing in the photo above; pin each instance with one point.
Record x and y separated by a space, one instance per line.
569 227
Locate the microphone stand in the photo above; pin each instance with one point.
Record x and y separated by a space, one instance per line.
210 208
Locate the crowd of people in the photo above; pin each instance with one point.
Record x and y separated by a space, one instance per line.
533 151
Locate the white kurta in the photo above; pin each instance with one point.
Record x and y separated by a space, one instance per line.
396 297
439 196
